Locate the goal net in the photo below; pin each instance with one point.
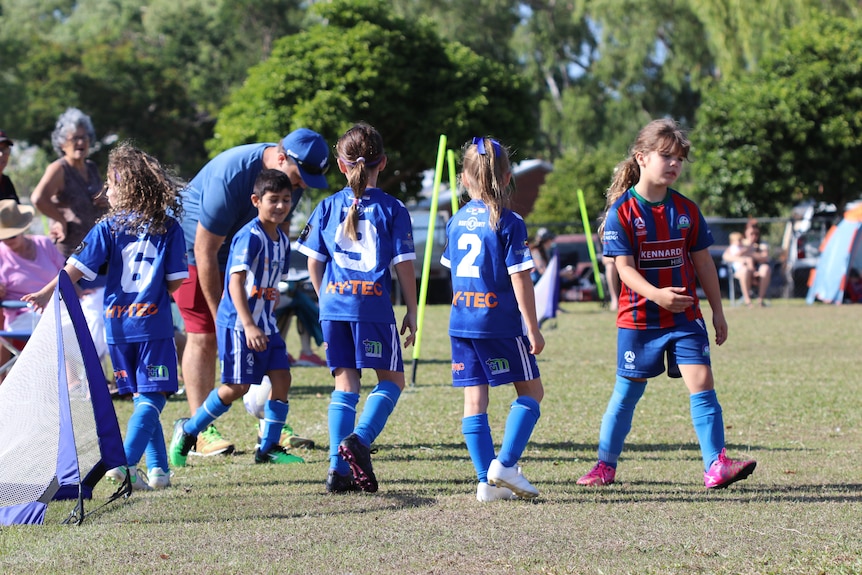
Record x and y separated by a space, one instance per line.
58 429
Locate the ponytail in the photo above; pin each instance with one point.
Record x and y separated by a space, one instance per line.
361 150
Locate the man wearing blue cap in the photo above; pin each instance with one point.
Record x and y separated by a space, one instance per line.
217 204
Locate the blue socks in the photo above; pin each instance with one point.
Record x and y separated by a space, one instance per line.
342 418
274 416
480 444
144 429
617 421
708 425
378 407
523 416
211 410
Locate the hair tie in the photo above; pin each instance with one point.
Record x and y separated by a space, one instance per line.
359 159
355 201
480 146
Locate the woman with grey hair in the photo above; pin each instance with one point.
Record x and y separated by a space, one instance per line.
70 190
70 193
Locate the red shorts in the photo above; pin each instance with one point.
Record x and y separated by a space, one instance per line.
193 305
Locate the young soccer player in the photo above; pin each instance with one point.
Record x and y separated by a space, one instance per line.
250 345
143 246
492 304
659 239
351 239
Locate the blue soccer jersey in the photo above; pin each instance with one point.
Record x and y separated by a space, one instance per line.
137 302
481 261
356 281
219 196
660 237
265 262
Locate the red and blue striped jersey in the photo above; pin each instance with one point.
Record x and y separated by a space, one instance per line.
660 237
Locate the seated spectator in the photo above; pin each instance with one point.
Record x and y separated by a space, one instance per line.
853 291
540 250
26 264
749 258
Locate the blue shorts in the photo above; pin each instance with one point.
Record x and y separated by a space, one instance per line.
145 366
641 352
356 345
239 364
492 361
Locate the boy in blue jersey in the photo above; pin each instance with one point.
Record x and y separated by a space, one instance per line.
216 206
250 345
492 304
144 250
659 239
351 240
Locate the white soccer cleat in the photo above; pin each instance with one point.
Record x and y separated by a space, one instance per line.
485 493
138 478
512 478
159 478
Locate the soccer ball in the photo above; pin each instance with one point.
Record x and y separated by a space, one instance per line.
257 396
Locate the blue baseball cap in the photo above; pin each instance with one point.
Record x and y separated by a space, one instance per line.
311 153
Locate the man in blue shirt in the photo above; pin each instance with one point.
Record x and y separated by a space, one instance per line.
217 204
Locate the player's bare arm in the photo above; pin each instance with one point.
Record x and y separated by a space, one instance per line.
526 298
704 267
207 245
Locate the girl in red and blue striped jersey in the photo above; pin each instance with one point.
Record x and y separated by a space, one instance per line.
659 239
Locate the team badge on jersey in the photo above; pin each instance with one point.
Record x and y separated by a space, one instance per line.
684 222
305 231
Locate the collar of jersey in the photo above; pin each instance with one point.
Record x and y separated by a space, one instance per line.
647 202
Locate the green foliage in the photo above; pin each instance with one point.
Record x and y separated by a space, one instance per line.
790 131
365 64
589 171
126 93
484 26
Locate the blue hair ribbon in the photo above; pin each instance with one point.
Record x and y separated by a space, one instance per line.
480 146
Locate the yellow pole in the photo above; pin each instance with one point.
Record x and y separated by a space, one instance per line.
429 244
596 275
453 180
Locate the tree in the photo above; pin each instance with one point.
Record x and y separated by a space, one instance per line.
558 202
790 131
364 63
155 71
484 26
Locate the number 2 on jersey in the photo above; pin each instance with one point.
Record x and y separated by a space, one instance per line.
467 267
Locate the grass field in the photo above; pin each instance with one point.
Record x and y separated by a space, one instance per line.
788 380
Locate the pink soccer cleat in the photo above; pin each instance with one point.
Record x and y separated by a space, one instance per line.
601 474
725 471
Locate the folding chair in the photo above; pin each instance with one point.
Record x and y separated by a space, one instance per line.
6 337
726 271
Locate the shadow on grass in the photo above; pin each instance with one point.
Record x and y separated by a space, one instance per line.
673 492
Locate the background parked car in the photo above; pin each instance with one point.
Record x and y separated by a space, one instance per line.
803 234
439 284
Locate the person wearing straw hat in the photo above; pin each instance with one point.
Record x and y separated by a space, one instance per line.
7 190
26 264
